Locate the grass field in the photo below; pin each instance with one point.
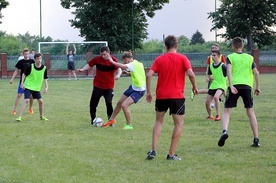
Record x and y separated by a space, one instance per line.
68 149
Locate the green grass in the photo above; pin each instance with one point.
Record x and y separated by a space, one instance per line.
68 149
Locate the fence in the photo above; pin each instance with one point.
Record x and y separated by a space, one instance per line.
57 64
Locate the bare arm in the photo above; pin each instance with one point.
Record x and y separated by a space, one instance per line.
75 50
118 73
46 85
86 67
229 76
13 75
257 80
67 49
22 81
117 64
148 84
192 79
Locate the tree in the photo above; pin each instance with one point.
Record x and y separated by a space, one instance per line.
3 4
197 38
249 19
113 21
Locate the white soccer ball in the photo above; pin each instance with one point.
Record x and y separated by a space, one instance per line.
98 122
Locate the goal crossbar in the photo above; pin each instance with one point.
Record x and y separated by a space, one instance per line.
66 42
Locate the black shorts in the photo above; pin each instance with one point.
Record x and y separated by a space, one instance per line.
212 92
35 94
71 66
245 94
176 106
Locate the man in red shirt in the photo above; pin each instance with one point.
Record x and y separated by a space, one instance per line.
103 81
171 69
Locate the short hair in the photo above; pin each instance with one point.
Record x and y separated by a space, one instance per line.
171 42
105 48
127 54
26 50
36 55
237 42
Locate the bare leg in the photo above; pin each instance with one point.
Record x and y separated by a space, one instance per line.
118 107
40 104
217 102
209 99
225 118
177 131
24 104
157 129
253 121
17 100
125 107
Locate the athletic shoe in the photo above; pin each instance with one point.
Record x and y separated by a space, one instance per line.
151 155
128 127
192 95
256 142
210 117
222 139
31 111
217 118
110 122
91 122
13 112
43 118
221 100
174 157
19 119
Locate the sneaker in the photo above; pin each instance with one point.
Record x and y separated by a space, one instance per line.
151 155
128 127
43 118
110 122
19 119
212 105
210 117
76 79
217 118
31 111
13 112
221 100
222 139
192 95
256 143
174 157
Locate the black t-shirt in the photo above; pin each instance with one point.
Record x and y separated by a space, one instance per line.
23 64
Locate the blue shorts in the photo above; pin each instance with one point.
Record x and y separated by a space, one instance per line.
135 95
20 90
35 94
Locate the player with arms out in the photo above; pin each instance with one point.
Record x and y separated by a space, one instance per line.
103 81
134 92
71 61
171 69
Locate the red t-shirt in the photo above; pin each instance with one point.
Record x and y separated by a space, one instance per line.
222 59
105 71
171 69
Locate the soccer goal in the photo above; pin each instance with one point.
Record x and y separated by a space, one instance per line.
58 53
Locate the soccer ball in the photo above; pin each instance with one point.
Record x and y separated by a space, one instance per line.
98 122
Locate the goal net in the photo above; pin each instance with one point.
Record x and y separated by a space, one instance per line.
85 51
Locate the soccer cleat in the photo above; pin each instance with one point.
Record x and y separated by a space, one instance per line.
217 118
192 95
31 111
13 112
210 117
110 122
43 118
222 139
151 155
19 119
174 157
256 143
128 127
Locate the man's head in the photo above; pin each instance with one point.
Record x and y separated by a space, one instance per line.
237 43
38 57
127 57
171 42
105 52
26 53
214 47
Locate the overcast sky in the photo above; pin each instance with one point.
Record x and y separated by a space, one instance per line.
179 17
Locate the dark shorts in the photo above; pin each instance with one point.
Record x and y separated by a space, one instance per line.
212 92
245 94
71 66
176 106
20 90
135 95
28 93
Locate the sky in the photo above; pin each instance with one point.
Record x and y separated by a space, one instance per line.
179 17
